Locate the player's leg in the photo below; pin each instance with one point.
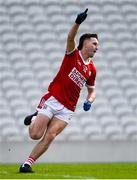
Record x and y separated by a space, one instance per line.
55 127
36 131
38 126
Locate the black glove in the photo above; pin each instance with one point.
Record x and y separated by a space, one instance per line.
81 17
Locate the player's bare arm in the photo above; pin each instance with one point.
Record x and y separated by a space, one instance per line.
91 94
73 31
90 99
71 38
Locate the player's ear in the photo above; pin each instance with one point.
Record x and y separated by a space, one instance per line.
85 42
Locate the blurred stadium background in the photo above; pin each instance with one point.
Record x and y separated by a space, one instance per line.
32 44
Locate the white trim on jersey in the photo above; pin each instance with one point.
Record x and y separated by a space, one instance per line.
89 86
86 63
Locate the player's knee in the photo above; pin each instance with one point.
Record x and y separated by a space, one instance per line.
50 136
35 135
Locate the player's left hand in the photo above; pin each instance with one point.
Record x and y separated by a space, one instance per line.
87 105
81 17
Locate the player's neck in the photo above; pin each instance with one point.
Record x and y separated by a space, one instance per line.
85 57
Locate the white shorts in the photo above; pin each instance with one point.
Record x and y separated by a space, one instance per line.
53 108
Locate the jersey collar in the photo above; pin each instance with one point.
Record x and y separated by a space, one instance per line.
86 63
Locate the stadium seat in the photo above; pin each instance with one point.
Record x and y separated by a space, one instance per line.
9 131
131 131
114 132
128 8
118 101
73 132
114 92
87 120
129 120
107 120
123 109
134 101
95 132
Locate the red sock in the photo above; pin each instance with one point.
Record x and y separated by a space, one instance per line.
29 161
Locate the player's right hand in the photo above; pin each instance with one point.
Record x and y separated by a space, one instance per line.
81 17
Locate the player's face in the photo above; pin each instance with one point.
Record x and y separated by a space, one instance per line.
91 46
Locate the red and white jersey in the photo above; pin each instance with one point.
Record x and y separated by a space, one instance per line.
73 74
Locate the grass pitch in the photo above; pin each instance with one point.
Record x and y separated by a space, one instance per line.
72 171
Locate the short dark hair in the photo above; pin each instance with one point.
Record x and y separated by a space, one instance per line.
86 36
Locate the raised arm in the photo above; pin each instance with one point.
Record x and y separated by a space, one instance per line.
73 31
71 38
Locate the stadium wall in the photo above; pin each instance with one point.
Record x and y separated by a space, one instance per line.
72 152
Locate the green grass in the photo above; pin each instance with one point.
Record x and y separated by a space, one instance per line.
72 171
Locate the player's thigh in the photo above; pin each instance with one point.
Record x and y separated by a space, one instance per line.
39 125
55 127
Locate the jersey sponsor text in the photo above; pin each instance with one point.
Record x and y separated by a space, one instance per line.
77 77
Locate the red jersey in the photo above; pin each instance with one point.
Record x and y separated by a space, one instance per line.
73 74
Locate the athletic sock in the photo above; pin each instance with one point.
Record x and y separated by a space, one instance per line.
29 161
